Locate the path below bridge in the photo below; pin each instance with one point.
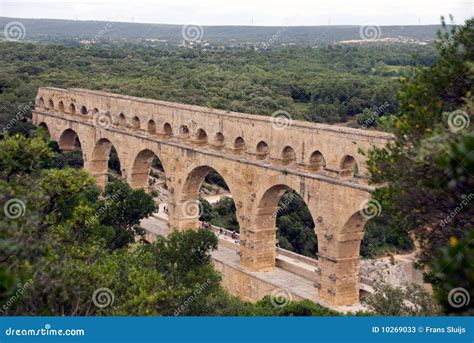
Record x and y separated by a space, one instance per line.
227 254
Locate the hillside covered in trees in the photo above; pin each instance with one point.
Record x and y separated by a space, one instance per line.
54 30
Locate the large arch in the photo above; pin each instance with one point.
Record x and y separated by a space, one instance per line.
264 226
188 209
99 164
141 168
69 141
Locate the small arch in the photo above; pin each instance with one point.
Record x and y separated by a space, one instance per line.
51 104
84 110
122 122
72 108
316 161
348 167
262 150
94 112
167 129
218 140
239 145
184 131
151 127
201 136
40 102
61 106
288 156
136 123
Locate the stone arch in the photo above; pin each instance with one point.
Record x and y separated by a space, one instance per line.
69 141
219 140
41 102
83 110
141 168
316 161
51 104
136 125
61 106
262 150
188 209
151 127
288 156
200 136
72 108
45 127
239 145
122 121
351 235
348 167
264 227
167 129
100 161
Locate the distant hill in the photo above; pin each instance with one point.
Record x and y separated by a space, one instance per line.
52 29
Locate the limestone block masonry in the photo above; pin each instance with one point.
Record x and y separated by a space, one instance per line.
257 157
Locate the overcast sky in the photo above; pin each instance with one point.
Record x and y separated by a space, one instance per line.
245 12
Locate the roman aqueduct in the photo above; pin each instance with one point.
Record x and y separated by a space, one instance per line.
259 158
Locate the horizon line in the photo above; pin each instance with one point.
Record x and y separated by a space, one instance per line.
220 25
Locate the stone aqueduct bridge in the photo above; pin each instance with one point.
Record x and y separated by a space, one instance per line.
258 159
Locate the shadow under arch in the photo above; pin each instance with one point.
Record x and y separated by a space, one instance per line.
142 164
189 206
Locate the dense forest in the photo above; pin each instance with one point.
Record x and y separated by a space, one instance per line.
56 30
328 84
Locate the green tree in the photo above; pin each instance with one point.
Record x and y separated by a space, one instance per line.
421 188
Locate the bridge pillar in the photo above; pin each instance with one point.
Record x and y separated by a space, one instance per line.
339 264
258 251
139 179
95 167
184 215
